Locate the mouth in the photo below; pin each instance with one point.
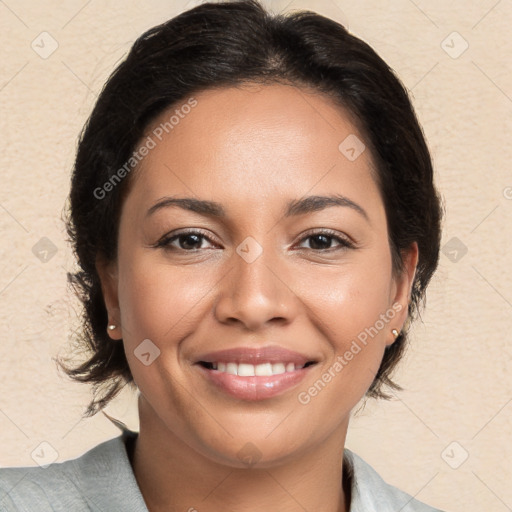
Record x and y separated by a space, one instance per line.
254 374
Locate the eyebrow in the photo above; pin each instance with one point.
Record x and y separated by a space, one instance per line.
317 203
301 206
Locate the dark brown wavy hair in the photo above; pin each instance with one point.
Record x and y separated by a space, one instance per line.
228 44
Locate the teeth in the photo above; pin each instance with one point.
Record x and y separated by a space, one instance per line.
278 368
250 370
246 370
232 368
263 370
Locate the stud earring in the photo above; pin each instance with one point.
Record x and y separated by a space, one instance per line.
111 327
395 332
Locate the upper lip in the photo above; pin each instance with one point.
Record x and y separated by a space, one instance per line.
270 354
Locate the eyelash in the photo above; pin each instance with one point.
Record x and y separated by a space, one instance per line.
344 243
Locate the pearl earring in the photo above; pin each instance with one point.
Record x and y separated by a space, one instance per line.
111 327
395 332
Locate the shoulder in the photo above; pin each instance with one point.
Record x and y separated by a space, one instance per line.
370 493
93 482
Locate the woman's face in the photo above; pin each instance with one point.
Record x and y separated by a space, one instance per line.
291 265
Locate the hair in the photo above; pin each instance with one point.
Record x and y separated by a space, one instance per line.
228 44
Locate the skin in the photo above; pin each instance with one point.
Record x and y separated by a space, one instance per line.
252 149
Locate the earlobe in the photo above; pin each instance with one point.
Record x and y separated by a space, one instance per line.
107 273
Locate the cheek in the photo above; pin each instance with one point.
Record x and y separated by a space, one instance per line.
351 307
159 301
348 300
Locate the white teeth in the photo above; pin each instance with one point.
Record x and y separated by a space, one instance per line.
246 370
250 370
232 368
263 370
278 368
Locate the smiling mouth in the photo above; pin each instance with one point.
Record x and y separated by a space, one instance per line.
266 369
255 373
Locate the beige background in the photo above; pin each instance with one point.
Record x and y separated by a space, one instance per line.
458 370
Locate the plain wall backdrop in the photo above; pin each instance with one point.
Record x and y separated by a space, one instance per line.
447 437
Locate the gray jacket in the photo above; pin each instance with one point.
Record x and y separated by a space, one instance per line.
102 480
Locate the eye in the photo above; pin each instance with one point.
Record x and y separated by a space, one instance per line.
322 241
185 241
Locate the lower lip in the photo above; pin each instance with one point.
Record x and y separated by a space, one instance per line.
254 388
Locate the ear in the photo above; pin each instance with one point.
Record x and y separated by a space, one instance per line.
107 272
402 288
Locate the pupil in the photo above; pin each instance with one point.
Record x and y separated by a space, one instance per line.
324 242
185 238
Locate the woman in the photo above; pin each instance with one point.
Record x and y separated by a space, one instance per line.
254 215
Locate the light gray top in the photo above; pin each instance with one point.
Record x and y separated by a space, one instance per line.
102 480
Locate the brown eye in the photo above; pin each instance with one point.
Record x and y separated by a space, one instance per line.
185 241
320 241
323 241
189 241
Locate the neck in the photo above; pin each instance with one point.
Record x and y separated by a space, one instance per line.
172 476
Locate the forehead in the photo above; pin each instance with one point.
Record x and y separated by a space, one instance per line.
256 117
254 142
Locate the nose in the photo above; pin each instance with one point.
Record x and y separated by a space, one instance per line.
255 294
